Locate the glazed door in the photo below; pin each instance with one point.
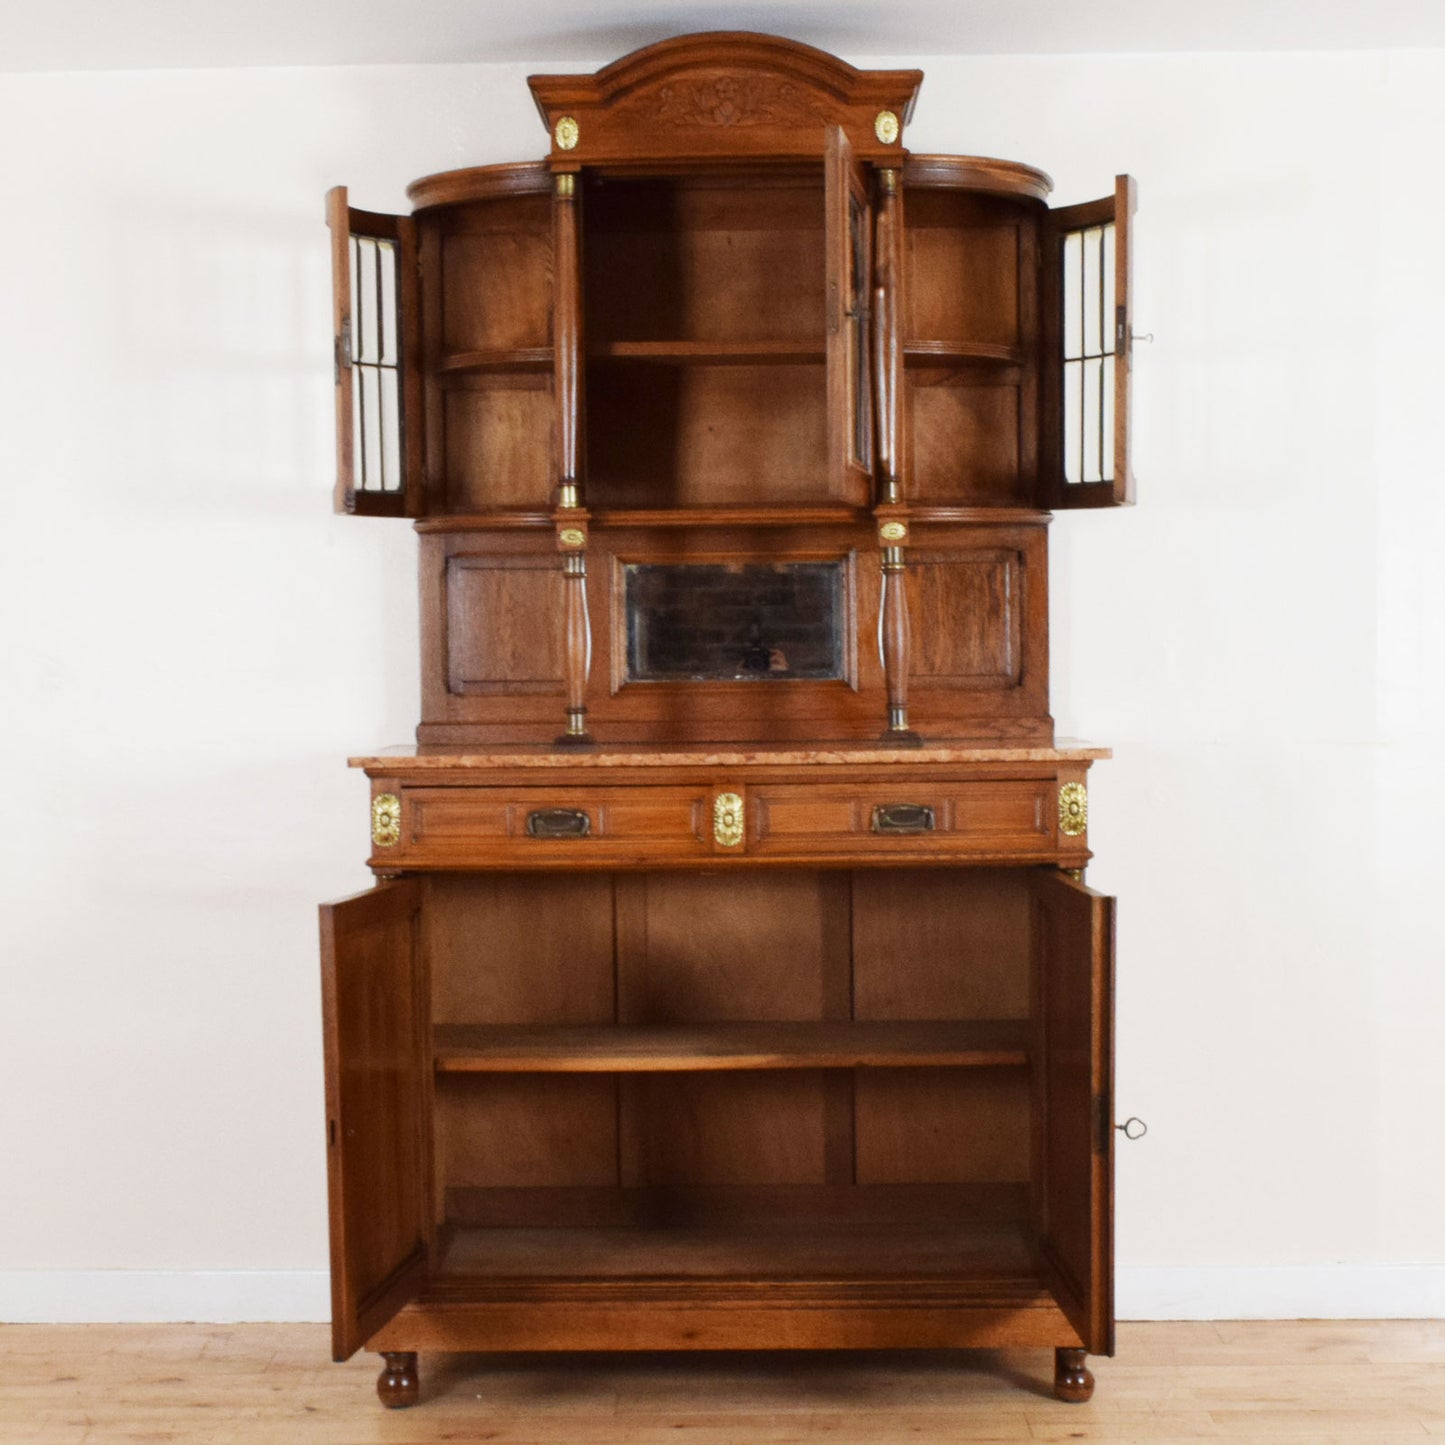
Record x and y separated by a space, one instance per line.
374 316
1073 1103
378 1080
849 262
1087 308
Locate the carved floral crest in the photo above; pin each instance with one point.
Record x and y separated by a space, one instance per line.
732 100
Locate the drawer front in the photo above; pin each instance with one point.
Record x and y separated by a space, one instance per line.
517 826
1013 818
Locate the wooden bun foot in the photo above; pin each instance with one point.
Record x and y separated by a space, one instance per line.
1073 1384
396 1386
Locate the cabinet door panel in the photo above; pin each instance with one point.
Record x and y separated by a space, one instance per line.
1074 931
375 319
378 1080
1087 312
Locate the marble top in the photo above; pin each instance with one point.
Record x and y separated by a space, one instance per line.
712 755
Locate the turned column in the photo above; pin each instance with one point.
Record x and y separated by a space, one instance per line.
397 1385
890 512
570 517
1073 1384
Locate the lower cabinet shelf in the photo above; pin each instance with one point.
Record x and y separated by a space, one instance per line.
522 1048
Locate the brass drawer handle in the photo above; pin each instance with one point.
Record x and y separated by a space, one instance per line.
558 823
902 818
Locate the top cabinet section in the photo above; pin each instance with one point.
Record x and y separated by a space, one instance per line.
723 95
728 286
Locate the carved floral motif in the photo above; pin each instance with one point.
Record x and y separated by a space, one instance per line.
733 100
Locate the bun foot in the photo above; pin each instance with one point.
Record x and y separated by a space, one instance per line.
396 1386
1073 1384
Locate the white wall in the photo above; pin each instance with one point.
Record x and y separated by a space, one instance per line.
193 645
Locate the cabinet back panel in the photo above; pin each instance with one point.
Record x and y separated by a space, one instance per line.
495 275
526 1131
498 441
942 1126
963 267
698 261
941 944
694 947
746 1128
515 949
965 433
706 435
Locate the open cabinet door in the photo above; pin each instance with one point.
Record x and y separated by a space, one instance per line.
849 263
378 1075
1074 1080
1086 310
374 316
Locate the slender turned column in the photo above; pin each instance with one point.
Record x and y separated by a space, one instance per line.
396 1386
570 517
1073 1384
891 513
887 338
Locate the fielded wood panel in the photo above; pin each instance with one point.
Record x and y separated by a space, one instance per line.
378 1078
703 259
967 618
526 1130
941 944
501 624
942 1126
521 949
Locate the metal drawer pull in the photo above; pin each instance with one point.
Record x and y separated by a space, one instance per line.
1133 1128
558 823
902 818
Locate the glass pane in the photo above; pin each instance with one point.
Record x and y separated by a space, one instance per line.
1107 462
738 622
387 303
1109 288
1073 421
1093 374
390 430
369 470
364 319
1093 290
1073 294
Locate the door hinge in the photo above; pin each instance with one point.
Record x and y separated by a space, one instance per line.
331 1133
1121 330
343 349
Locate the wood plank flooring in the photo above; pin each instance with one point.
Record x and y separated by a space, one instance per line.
1312 1384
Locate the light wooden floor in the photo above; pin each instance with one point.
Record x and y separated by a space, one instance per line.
1313 1384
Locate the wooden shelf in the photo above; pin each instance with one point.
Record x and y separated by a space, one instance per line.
608 1048
522 358
960 353
878 1253
725 353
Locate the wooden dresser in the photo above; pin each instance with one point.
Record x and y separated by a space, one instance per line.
729 980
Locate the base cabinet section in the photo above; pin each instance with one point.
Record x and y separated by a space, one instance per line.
812 1108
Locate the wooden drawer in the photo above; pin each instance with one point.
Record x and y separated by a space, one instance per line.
1014 819
517 826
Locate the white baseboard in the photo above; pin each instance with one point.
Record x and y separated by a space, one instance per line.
233 1296
1281 1292
160 1296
